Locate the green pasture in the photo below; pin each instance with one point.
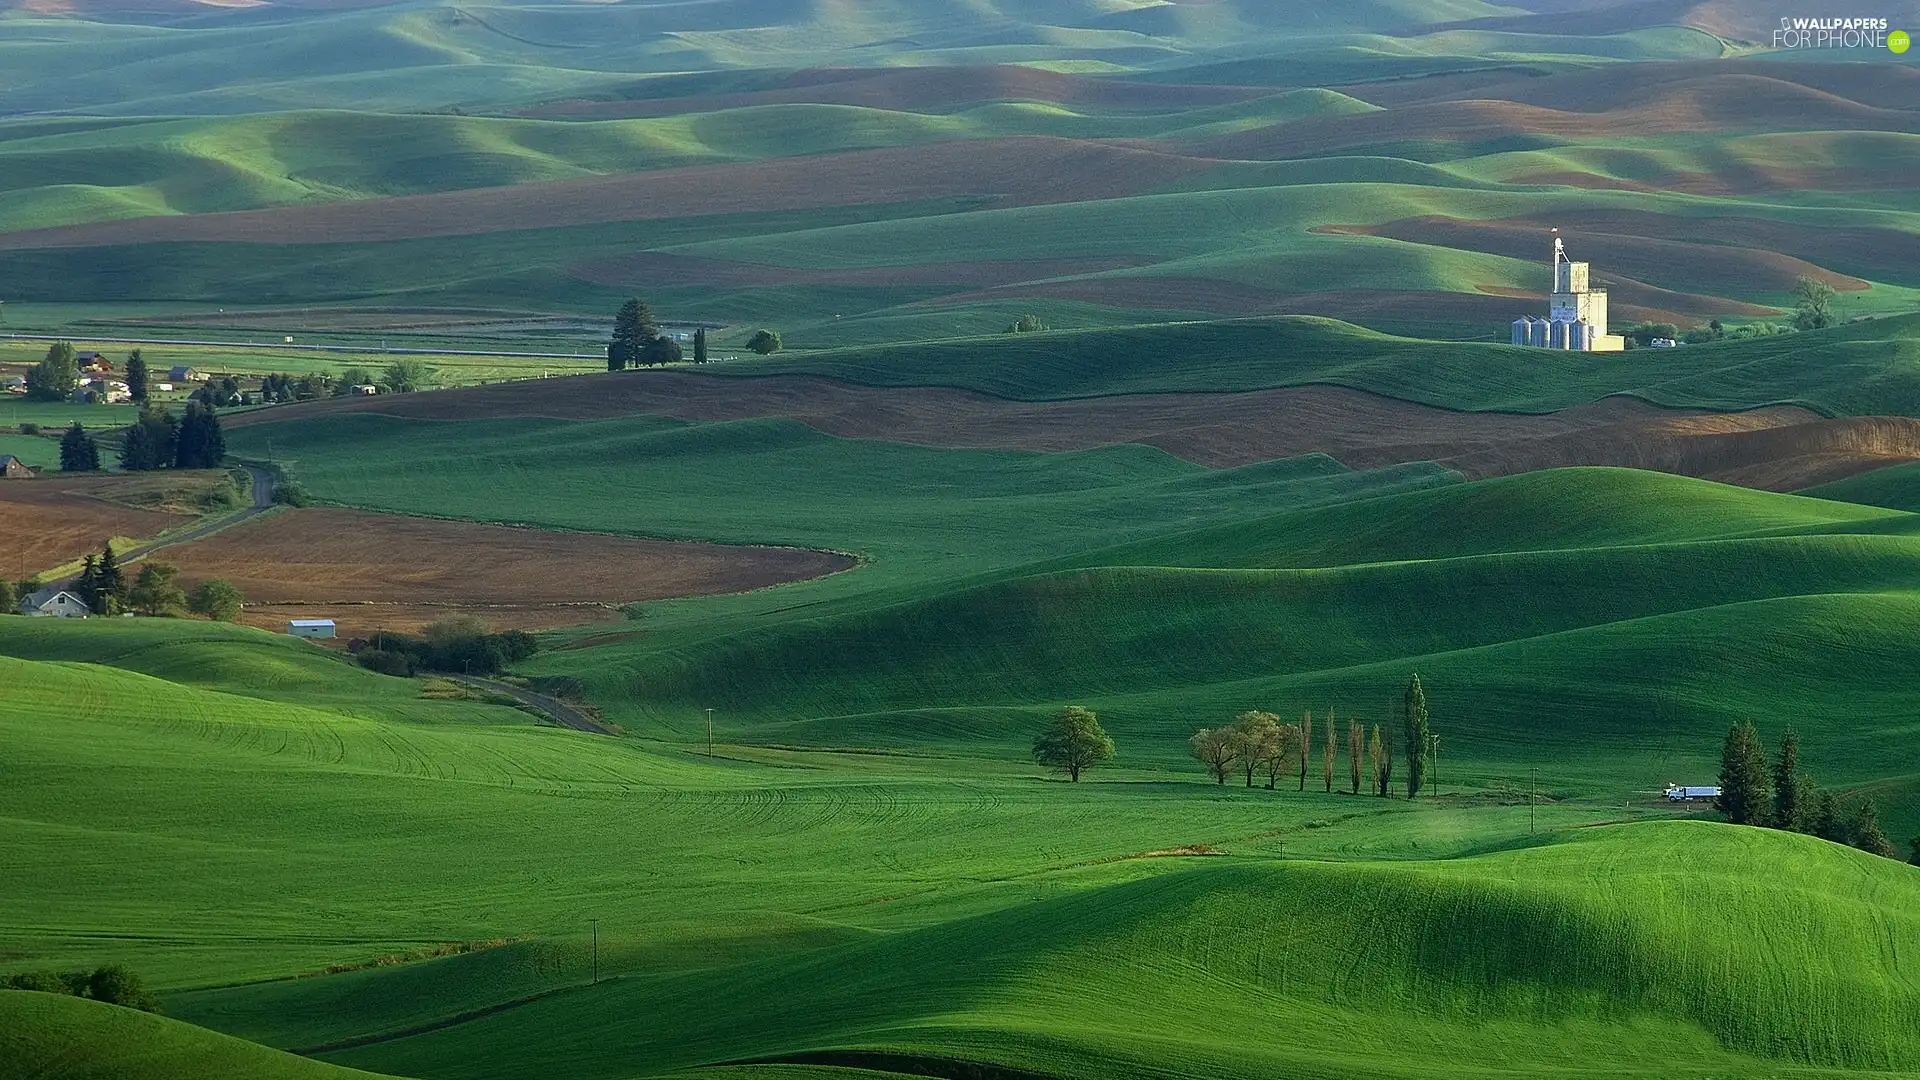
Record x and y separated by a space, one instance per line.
179 781
42 453
243 359
1856 369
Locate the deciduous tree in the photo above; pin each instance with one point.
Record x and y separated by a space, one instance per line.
1075 743
1326 758
9 599
54 378
1215 748
1813 304
217 599
1356 748
765 342
1306 744
659 351
406 375
1745 795
156 591
1257 740
1414 712
78 451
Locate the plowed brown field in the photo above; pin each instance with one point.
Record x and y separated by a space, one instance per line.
921 89
390 572
53 520
998 172
1778 448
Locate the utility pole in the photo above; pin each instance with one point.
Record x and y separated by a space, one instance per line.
709 734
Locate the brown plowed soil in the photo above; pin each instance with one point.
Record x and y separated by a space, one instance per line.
54 519
1727 103
1778 448
921 89
1741 449
1624 257
648 269
998 172
387 571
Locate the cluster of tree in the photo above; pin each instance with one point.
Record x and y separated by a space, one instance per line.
765 342
55 377
157 441
1813 310
460 644
281 388
637 340
155 591
1261 742
78 451
1784 797
1026 324
112 984
1074 743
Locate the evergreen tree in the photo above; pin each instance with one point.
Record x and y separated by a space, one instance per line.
1075 743
1864 830
199 444
1415 710
1914 847
1790 789
1306 744
1327 757
150 442
700 346
87 585
137 376
78 452
1826 822
110 585
1744 795
633 328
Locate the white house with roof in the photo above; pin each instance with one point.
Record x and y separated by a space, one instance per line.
55 603
310 628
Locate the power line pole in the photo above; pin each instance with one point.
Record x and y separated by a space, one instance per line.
709 734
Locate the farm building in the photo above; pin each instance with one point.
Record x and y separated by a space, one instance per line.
92 362
182 373
310 628
55 603
12 468
1576 314
367 389
14 384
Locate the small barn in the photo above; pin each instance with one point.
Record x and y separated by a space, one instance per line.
310 628
55 603
12 468
180 373
92 362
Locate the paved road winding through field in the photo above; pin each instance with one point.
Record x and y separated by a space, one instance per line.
558 711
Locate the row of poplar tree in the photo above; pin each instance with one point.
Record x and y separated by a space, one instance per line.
1783 797
1261 742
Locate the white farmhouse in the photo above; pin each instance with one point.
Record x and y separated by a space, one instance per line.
310 628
